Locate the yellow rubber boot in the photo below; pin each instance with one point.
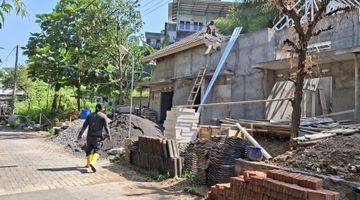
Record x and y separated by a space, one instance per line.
88 160
95 157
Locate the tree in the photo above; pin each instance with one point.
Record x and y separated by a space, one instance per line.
22 81
7 7
79 46
305 29
249 15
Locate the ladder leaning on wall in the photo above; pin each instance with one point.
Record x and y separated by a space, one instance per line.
197 85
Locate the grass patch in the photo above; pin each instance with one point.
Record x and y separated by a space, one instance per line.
195 185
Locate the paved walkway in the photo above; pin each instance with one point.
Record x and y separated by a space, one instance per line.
31 168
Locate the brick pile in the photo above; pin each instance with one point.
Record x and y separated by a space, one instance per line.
157 154
273 185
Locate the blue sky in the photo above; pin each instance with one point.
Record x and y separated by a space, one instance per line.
17 29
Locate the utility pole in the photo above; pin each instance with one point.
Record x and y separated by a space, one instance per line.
15 79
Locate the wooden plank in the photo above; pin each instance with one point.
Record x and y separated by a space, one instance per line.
337 113
324 107
357 89
313 103
169 148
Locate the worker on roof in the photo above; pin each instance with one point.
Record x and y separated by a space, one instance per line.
96 122
211 29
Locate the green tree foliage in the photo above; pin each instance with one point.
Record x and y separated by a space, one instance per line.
79 47
22 81
8 6
249 15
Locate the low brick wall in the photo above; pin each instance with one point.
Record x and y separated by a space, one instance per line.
348 190
157 154
273 185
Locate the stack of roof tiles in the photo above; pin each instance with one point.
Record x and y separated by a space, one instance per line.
157 154
275 185
213 161
181 125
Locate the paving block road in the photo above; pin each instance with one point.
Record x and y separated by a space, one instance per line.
32 168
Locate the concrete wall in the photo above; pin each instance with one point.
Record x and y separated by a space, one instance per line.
241 83
345 32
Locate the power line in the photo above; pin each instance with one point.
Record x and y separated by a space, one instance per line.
7 57
146 4
153 6
156 8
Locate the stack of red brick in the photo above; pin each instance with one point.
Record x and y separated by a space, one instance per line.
273 185
157 154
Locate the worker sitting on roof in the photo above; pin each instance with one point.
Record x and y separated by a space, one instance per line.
96 122
211 29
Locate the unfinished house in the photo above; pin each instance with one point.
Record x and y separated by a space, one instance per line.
258 68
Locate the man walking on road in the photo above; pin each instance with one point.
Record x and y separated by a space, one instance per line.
96 122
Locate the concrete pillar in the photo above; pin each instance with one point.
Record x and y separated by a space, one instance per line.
357 88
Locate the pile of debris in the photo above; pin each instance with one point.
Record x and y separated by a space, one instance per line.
275 184
338 155
317 127
119 128
149 114
213 161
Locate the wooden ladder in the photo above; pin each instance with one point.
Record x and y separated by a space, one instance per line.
196 87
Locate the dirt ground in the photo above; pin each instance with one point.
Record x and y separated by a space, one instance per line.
339 156
274 145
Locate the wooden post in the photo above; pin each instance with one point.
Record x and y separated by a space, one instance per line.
357 89
15 79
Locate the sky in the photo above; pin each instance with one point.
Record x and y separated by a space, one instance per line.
17 29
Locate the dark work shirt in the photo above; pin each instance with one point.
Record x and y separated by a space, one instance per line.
96 122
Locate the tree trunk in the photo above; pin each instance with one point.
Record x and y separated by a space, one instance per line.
298 94
54 106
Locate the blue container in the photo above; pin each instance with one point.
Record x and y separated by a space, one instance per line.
254 153
84 113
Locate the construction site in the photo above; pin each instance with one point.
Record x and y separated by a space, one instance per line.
218 122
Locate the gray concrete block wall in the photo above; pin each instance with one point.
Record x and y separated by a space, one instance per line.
343 87
182 90
163 70
345 32
247 83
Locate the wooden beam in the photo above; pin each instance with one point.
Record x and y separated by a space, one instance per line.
357 89
232 103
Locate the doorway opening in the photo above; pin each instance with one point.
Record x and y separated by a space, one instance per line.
166 104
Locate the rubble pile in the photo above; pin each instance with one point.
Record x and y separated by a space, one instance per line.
338 155
213 161
119 127
275 184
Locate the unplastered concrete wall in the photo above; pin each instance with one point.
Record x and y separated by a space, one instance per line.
246 83
345 33
343 83
164 70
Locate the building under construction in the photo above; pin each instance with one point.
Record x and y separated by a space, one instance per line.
258 68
